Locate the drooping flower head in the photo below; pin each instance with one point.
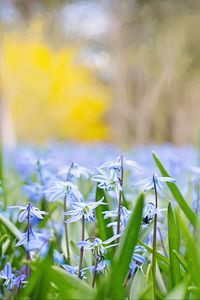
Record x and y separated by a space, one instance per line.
29 211
116 164
108 180
74 171
97 246
149 183
83 209
60 189
124 216
137 259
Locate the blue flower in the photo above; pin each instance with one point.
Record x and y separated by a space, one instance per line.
108 180
137 259
73 270
58 258
20 280
60 189
83 209
8 276
102 265
10 279
30 210
116 164
97 246
148 183
36 239
34 191
124 216
74 171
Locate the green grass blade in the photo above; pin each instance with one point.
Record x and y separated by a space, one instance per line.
48 282
104 231
177 194
178 292
159 256
114 286
173 242
183 262
10 226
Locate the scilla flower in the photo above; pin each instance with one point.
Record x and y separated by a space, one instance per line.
60 189
108 180
73 270
74 171
8 276
81 209
97 246
148 183
33 240
116 164
137 259
125 214
102 265
29 210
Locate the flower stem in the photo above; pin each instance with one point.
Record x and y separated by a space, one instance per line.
65 218
162 242
198 196
154 239
28 239
82 248
120 196
95 271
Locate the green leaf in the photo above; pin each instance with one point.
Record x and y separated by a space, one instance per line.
173 241
10 226
138 285
177 194
47 281
183 262
159 256
114 288
69 286
178 293
104 231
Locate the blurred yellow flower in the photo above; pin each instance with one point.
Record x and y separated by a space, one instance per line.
49 92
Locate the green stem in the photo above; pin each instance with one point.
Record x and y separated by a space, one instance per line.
154 240
95 271
65 219
120 197
162 242
28 257
198 196
82 248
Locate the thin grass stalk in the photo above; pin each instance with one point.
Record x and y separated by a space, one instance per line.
120 197
154 240
82 248
65 218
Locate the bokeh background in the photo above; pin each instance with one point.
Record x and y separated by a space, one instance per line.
126 72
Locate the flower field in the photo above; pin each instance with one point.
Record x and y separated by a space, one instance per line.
96 222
